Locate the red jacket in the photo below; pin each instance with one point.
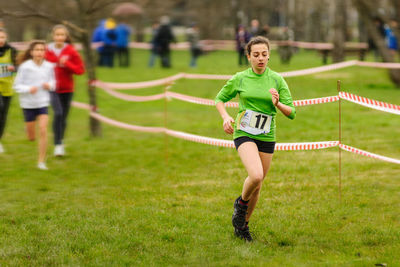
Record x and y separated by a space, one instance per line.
73 65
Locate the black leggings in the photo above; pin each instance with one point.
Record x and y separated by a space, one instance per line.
123 56
242 57
61 104
4 106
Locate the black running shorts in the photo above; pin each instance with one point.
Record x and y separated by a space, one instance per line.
266 147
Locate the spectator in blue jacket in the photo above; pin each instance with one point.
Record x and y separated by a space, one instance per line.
391 39
123 34
109 38
97 38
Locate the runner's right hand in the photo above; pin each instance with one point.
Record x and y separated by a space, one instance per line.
46 86
62 61
228 128
275 96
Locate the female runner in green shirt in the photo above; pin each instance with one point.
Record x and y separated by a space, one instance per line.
261 93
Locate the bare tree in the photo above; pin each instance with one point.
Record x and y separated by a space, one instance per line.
338 53
366 9
79 16
299 21
396 16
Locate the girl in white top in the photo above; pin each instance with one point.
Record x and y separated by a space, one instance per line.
35 78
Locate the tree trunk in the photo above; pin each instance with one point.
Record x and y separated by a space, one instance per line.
95 126
235 10
315 29
338 53
381 45
396 7
367 14
299 21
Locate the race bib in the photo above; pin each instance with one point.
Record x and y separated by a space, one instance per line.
4 72
254 122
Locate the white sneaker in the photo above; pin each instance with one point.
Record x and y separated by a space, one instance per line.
42 166
59 150
1 148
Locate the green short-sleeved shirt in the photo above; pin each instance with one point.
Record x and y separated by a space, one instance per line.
253 90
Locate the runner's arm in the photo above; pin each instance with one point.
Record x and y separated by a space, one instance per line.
228 120
227 93
285 109
285 103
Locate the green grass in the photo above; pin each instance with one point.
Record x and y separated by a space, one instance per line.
115 201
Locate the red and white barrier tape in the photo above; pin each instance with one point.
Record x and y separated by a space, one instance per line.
306 146
371 103
127 126
206 76
139 85
208 102
174 46
133 98
81 105
231 45
199 100
319 69
170 79
200 139
368 154
313 101
308 71
383 65
312 45
229 143
214 45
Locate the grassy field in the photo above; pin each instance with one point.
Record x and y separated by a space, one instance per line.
115 201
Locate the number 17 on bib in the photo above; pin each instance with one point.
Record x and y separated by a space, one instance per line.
254 122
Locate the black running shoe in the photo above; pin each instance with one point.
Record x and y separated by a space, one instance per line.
239 214
244 234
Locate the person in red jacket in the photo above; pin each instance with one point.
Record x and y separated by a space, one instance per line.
67 63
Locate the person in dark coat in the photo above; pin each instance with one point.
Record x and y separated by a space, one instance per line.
264 31
163 40
193 37
242 38
154 46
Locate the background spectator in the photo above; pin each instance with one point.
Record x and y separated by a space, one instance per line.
123 34
193 37
163 40
242 38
